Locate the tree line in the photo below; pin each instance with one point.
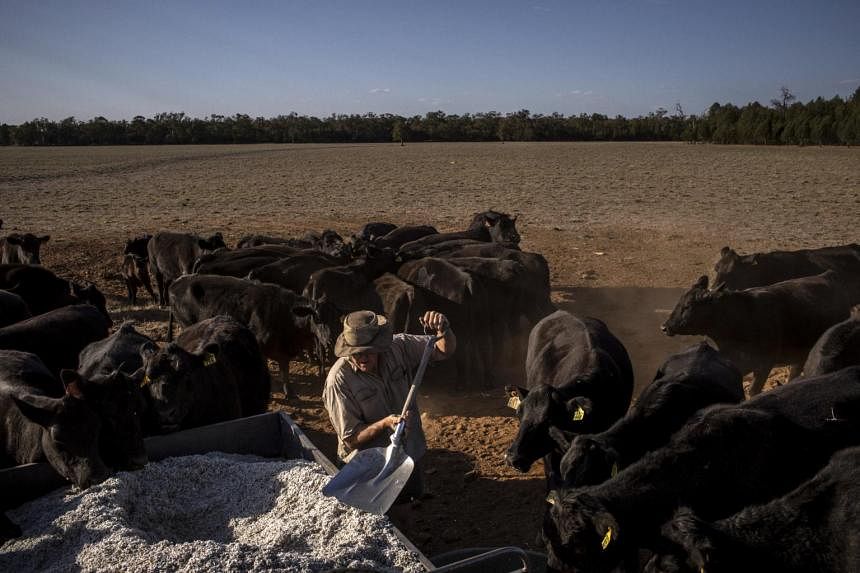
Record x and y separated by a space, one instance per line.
785 122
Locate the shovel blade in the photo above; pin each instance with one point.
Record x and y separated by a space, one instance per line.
362 483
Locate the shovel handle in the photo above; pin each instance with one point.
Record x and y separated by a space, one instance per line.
416 381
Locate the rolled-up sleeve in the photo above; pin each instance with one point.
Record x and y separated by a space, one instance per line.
343 410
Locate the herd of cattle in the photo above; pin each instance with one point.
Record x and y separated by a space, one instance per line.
690 477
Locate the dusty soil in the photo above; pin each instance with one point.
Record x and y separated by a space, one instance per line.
625 228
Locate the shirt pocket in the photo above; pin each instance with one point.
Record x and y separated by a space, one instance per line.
368 399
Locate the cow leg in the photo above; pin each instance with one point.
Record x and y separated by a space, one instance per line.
129 288
148 286
289 393
759 378
159 283
167 284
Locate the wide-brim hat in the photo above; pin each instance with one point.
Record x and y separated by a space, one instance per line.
363 331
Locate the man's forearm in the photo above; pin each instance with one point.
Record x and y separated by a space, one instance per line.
447 345
367 435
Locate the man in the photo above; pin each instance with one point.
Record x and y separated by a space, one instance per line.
366 388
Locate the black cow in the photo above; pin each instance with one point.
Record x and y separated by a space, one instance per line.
293 272
240 262
172 255
838 347
119 351
579 379
111 374
329 242
727 457
22 248
395 238
489 226
135 274
813 528
213 372
685 383
761 327
58 336
36 426
739 272
372 231
284 323
42 290
12 308
118 401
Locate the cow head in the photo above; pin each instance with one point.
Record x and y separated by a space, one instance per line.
118 401
501 226
588 461
545 415
70 437
90 294
695 312
332 244
137 246
688 546
212 243
169 376
738 272
26 247
580 534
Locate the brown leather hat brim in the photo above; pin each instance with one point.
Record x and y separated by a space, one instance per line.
379 343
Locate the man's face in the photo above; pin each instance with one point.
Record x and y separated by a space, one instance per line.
366 361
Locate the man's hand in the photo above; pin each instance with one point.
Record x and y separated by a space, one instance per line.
435 320
390 422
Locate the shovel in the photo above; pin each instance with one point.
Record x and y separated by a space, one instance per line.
374 477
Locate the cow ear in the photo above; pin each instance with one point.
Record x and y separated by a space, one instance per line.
13 240
702 283
558 436
210 353
39 409
148 349
517 391
606 528
754 259
579 408
73 383
685 529
727 252
45 238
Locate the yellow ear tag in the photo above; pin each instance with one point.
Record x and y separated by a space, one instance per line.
614 471
514 402
145 381
606 539
579 414
209 359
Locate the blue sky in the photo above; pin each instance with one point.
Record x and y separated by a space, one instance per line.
123 58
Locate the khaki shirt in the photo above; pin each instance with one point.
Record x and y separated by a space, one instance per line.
355 400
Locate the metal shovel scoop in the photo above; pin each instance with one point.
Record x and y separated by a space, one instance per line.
374 477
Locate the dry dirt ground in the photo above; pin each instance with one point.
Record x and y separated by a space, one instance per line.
626 227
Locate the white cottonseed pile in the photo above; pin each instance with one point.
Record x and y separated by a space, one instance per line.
214 512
